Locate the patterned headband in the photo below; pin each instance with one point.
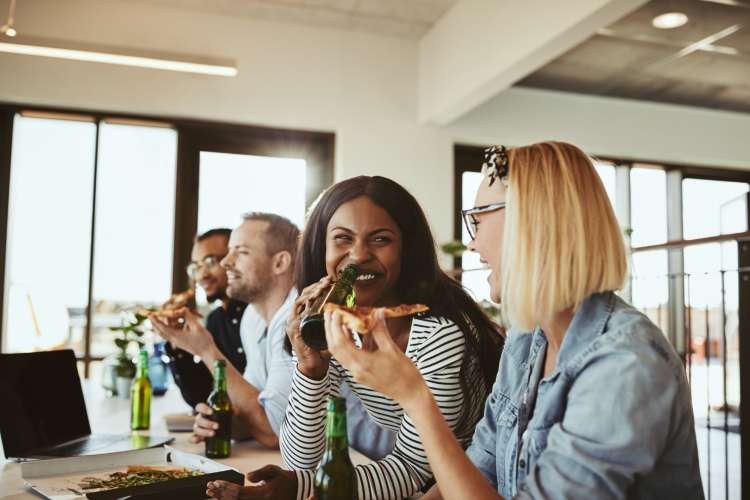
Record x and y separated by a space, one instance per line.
495 163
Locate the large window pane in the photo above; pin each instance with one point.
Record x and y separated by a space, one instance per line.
134 224
713 207
648 201
233 184
650 285
607 174
49 234
475 279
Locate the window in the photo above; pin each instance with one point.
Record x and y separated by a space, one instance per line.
475 273
648 205
117 185
49 234
258 184
606 172
134 230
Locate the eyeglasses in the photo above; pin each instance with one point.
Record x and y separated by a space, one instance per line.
208 262
471 221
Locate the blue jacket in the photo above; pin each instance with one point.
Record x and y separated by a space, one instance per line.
613 421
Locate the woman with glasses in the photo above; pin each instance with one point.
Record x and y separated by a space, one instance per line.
591 400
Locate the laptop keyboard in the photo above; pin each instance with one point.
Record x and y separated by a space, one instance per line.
83 447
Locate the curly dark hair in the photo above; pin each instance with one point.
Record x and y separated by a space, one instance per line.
421 281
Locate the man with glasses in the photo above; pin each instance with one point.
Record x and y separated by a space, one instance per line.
193 378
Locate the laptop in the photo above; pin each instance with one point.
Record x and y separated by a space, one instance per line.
43 411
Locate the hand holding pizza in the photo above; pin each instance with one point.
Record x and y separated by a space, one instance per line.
190 336
385 368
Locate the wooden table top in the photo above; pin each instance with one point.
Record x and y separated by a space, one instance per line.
112 416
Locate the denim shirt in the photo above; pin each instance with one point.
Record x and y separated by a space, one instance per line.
614 420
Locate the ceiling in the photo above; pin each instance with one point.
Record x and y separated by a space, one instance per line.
704 63
403 18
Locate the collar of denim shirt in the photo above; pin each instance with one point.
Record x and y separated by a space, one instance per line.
587 325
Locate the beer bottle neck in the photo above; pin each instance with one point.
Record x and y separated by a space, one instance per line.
142 366
336 439
220 380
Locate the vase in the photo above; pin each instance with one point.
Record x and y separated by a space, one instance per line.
109 375
158 370
123 387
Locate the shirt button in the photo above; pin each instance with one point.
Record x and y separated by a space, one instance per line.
522 463
234 321
239 349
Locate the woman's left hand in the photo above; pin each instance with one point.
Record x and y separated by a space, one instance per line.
382 366
273 483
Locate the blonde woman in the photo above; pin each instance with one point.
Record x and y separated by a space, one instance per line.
590 400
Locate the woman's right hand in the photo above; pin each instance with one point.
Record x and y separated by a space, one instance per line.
313 364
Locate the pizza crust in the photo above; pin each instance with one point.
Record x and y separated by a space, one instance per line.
172 309
362 319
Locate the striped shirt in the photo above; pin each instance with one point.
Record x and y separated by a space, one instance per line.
436 347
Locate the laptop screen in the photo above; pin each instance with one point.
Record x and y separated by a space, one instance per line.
42 401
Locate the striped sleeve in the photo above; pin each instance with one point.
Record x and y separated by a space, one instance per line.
302 434
405 471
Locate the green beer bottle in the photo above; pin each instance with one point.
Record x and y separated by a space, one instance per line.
312 326
334 479
220 445
140 396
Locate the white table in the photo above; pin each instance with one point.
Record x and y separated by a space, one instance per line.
112 416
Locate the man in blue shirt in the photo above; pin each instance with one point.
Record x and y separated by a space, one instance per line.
260 268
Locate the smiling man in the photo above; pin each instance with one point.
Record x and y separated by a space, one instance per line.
194 379
259 269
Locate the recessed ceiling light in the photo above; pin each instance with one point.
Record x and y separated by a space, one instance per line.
669 20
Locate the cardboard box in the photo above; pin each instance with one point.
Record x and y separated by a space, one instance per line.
57 479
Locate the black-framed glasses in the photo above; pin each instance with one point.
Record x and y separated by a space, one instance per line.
208 262
470 221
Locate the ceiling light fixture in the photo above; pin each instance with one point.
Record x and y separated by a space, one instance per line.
670 20
7 29
111 55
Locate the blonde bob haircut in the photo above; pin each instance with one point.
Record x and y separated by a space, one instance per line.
562 240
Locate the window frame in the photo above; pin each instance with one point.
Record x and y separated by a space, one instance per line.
317 148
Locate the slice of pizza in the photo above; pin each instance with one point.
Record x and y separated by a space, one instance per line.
174 308
362 319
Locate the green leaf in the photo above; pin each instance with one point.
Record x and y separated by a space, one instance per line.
121 343
454 248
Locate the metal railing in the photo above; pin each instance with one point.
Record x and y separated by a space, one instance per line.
709 327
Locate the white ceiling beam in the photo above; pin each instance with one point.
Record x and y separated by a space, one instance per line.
481 47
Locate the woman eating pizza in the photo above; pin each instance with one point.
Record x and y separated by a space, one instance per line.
591 400
374 223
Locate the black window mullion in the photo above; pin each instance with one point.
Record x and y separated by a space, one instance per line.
6 142
186 205
90 299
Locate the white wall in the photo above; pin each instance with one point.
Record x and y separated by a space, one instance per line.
360 86
620 128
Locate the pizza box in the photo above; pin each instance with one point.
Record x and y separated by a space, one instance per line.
59 478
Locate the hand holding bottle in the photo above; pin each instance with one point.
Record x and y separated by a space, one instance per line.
312 363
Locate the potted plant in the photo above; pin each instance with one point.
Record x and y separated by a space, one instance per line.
130 331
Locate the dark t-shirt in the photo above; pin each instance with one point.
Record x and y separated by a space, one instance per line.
194 379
